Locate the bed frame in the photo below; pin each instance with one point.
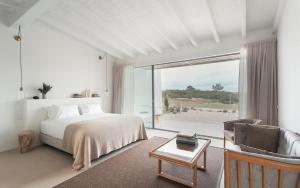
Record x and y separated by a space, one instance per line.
51 141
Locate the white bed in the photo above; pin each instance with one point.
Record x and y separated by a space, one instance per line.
88 137
81 128
52 131
34 113
55 128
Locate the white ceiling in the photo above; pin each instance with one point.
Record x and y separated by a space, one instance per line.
127 28
10 10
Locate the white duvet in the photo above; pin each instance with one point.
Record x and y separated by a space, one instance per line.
56 128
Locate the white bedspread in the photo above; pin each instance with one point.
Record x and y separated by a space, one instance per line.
56 128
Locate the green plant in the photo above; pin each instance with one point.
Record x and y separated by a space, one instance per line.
166 102
45 89
217 87
185 109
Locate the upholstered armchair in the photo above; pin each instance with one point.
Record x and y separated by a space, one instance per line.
230 125
263 157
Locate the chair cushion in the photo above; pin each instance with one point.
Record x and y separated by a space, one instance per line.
240 133
263 137
229 135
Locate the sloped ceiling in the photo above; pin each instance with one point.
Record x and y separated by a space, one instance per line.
11 10
127 28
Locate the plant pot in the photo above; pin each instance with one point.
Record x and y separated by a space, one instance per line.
43 95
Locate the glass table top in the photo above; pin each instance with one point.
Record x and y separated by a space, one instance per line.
182 152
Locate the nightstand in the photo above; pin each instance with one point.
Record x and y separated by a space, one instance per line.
25 141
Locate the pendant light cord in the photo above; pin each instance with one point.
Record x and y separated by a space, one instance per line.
106 72
21 66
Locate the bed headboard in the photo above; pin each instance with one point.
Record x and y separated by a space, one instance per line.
34 111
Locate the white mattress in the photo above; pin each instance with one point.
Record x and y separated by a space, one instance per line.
56 128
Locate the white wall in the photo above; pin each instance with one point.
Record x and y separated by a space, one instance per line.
289 66
51 57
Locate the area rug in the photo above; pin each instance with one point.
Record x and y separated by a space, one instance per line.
135 169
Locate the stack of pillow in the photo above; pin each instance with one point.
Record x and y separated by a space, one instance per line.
68 111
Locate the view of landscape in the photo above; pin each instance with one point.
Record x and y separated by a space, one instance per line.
200 103
192 110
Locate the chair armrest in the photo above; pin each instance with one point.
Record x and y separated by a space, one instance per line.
291 161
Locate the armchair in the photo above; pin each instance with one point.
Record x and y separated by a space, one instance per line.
250 165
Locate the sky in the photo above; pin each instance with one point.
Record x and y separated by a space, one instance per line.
202 76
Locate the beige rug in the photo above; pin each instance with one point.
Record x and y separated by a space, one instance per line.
134 169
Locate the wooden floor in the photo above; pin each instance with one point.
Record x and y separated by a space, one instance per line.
46 167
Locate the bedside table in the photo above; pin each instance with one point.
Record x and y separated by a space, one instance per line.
25 141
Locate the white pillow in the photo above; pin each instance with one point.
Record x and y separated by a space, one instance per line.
62 111
52 111
92 108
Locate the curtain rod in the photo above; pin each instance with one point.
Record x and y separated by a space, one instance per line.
192 59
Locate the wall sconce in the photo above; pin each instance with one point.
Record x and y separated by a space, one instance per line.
106 73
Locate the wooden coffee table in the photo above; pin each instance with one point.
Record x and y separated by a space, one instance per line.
184 155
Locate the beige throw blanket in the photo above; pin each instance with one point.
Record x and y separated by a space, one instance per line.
88 140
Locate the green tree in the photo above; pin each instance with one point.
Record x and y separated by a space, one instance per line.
166 102
190 88
217 87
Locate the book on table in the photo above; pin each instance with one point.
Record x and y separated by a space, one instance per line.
186 139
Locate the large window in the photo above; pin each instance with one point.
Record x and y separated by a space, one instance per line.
188 98
143 94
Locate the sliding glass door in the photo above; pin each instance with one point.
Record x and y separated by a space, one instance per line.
143 94
189 98
198 98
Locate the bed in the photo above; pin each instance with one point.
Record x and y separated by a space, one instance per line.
89 136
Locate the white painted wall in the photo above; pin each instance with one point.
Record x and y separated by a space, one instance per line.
50 57
289 66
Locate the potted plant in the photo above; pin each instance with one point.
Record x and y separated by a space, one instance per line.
45 89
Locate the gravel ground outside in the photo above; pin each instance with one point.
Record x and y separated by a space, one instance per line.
202 122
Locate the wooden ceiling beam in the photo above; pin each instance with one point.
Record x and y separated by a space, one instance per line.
182 25
110 27
63 28
125 18
211 21
142 9
80 19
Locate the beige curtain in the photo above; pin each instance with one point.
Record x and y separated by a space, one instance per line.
243 84
117 88
128 90
262 97
123 89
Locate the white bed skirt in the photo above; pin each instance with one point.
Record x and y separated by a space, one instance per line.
51 141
